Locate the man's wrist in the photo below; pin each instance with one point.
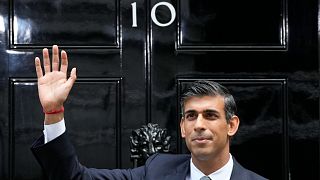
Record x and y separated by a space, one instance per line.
53 118
57 111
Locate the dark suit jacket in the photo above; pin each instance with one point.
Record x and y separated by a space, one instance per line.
59 162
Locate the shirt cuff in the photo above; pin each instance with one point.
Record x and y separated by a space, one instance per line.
53 131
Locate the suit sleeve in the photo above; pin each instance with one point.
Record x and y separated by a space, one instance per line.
59 162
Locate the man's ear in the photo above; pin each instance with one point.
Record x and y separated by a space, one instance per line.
183 132
233 125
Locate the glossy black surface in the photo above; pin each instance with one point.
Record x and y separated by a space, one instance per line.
266 52
232 24
69 23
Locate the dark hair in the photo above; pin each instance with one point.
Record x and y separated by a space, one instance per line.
210 88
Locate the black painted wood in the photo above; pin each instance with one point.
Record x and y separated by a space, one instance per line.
266 52
232 25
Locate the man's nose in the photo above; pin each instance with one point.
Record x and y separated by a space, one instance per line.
200 123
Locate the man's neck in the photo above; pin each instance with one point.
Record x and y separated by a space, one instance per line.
211 164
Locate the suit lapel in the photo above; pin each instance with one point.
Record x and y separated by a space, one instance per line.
237 170
181 172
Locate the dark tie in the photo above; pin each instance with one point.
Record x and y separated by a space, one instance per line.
205 178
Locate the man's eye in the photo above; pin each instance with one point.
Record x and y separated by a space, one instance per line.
190 115
210 115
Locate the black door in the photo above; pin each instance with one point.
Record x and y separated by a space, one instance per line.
135 57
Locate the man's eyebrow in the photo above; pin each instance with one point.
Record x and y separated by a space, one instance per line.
190 111
211 111
206 110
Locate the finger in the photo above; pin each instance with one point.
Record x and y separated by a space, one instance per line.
72 78
55 58
46 60
64 62
38 67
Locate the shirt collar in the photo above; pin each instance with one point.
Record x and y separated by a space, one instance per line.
224 173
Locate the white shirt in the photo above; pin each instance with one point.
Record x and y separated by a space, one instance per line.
224 173
53 131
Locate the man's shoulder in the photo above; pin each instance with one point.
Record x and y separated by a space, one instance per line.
172 166
166 158
253 176
239 172
167 161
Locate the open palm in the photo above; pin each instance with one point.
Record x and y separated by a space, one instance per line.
53 86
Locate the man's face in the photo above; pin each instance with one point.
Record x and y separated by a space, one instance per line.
205 128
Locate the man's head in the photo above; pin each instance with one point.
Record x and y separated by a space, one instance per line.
210 88
208 121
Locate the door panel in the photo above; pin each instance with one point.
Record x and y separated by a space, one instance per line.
68 23
265 52
232 24
99 114
23 128
263 126
255 49
96 132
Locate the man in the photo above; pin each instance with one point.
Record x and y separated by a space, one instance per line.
207 124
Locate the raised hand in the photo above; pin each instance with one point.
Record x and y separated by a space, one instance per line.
53 85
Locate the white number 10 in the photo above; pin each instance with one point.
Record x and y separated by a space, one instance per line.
153 14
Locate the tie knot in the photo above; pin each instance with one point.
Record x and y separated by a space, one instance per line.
205 178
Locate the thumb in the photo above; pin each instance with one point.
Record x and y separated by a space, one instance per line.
72 78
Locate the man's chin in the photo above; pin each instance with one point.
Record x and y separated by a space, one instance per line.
201 155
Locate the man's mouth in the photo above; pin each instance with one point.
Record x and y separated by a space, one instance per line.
201 139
